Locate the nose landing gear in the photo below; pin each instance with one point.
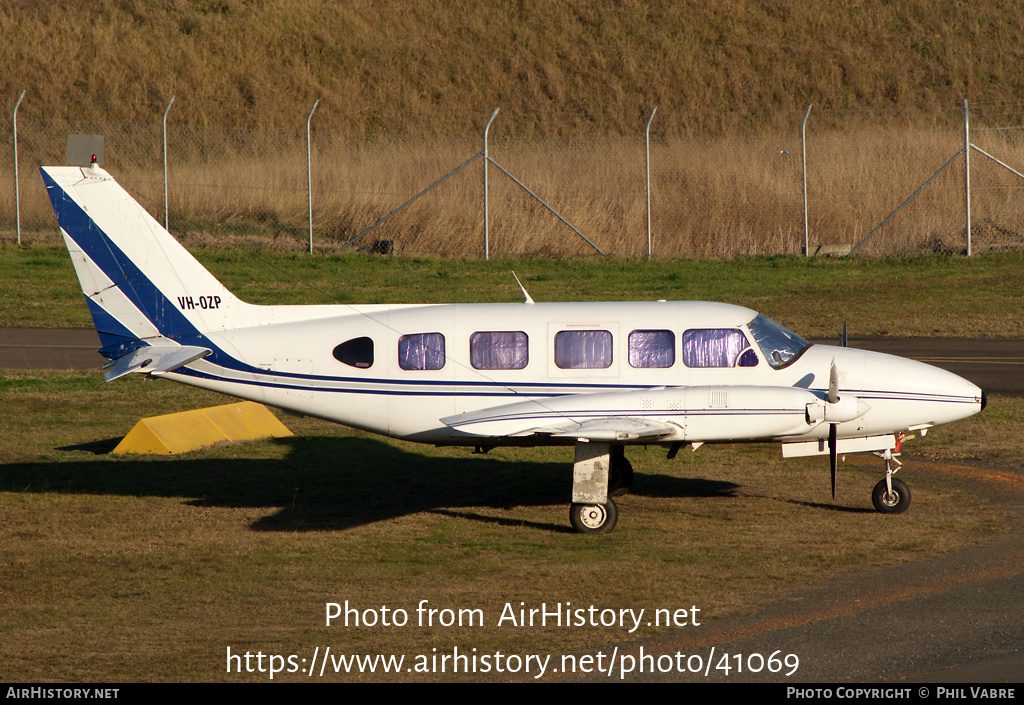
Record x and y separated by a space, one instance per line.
891 496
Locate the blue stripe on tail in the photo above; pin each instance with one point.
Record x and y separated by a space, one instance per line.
135 285
114 337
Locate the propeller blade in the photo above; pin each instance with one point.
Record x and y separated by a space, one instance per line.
832 455
833 384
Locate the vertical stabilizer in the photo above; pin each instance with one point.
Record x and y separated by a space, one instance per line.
140 283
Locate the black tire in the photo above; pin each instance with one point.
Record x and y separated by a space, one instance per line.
620 475
594 518
895 503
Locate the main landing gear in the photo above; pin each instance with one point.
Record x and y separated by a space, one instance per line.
600 472
891 496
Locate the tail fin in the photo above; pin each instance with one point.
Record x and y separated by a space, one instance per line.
140 283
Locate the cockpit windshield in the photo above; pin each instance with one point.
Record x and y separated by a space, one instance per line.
779 345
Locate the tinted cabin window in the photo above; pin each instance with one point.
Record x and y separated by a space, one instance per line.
652 348
499 350
357 352
716 347
583 349
421 351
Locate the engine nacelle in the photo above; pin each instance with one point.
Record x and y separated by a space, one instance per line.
846 409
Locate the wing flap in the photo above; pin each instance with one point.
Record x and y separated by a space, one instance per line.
597 417
615 428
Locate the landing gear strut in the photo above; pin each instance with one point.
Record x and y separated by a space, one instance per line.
596 467
891 496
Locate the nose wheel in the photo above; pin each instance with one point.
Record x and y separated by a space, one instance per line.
891 500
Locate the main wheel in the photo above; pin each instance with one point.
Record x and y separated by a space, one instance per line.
620 475
891 502
594 518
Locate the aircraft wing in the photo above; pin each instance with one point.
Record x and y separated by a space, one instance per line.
706 414
594 417
613 428
155 359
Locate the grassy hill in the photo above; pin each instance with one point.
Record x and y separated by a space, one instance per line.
570 67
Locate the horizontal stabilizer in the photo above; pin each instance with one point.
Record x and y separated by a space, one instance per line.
154 359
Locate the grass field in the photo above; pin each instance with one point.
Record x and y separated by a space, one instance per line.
930 295
148 569
137 569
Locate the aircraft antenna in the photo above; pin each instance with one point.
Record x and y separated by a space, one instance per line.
529 299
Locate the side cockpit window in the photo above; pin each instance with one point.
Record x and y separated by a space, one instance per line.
499 350
717 347
421 351
357 352
779 345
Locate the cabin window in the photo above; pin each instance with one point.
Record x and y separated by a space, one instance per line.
499 350
421 351
357 352
652 348
583 349
716 347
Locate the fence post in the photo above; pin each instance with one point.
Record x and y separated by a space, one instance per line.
17 192
803 155
309 174
967 177
487 212
647 145
166 209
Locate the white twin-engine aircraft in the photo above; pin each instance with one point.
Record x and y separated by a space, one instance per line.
597 376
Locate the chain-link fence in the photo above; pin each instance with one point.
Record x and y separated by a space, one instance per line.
710 197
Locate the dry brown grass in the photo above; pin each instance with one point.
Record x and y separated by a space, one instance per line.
710 197
581 69
554 68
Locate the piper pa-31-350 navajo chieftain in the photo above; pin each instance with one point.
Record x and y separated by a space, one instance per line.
597 376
